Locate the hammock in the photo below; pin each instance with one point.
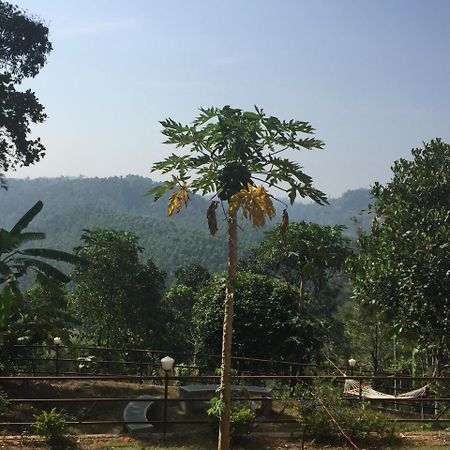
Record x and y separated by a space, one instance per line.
352 387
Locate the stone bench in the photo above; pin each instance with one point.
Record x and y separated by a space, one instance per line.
208 391
137 412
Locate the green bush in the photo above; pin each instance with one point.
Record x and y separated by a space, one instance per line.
322 407
242 418
52 425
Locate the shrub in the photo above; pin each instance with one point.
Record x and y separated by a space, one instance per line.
242 418
52 425
322 407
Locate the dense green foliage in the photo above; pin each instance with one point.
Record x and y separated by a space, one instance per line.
45 314
267 320
403 268
180 300
24 47
309 256
192 276
117 297
41 315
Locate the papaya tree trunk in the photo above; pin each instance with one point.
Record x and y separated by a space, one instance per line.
225 378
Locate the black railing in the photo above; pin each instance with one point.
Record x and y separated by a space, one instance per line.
431 409
68 360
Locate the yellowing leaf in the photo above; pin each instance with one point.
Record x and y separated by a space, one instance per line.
177 199
255 203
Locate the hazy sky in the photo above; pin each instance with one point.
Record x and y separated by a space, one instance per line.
373 78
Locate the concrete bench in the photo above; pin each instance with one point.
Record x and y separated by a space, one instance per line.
137 412
207 391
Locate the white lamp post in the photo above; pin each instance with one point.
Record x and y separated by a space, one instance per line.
57 341
352 364
167 365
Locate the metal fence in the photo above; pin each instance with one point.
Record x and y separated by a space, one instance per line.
74 360
433 409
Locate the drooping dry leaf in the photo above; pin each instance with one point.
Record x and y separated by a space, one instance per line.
211 216
284 226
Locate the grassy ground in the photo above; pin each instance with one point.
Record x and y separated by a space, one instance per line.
410 441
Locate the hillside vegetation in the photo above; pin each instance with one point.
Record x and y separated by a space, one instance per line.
74 204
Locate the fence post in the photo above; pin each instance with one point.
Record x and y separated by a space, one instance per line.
33 360
105 358
166 393
395 392
141 364
57 360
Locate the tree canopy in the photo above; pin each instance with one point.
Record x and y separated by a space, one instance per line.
231 149
193 276
307 256
267 320
24 47
117 296
403 267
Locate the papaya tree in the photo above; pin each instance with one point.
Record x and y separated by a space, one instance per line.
236 157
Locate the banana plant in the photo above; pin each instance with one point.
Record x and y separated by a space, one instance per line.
16 261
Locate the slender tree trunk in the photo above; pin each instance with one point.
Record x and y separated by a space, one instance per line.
225 378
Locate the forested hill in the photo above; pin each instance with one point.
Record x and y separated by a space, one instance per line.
74 204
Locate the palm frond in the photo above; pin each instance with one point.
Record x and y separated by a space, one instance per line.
55 255
32 236
27 218
8 241
44 268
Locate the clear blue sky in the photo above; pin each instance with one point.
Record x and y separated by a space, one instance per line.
373 78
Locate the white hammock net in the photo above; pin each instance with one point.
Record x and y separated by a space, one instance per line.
352 387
